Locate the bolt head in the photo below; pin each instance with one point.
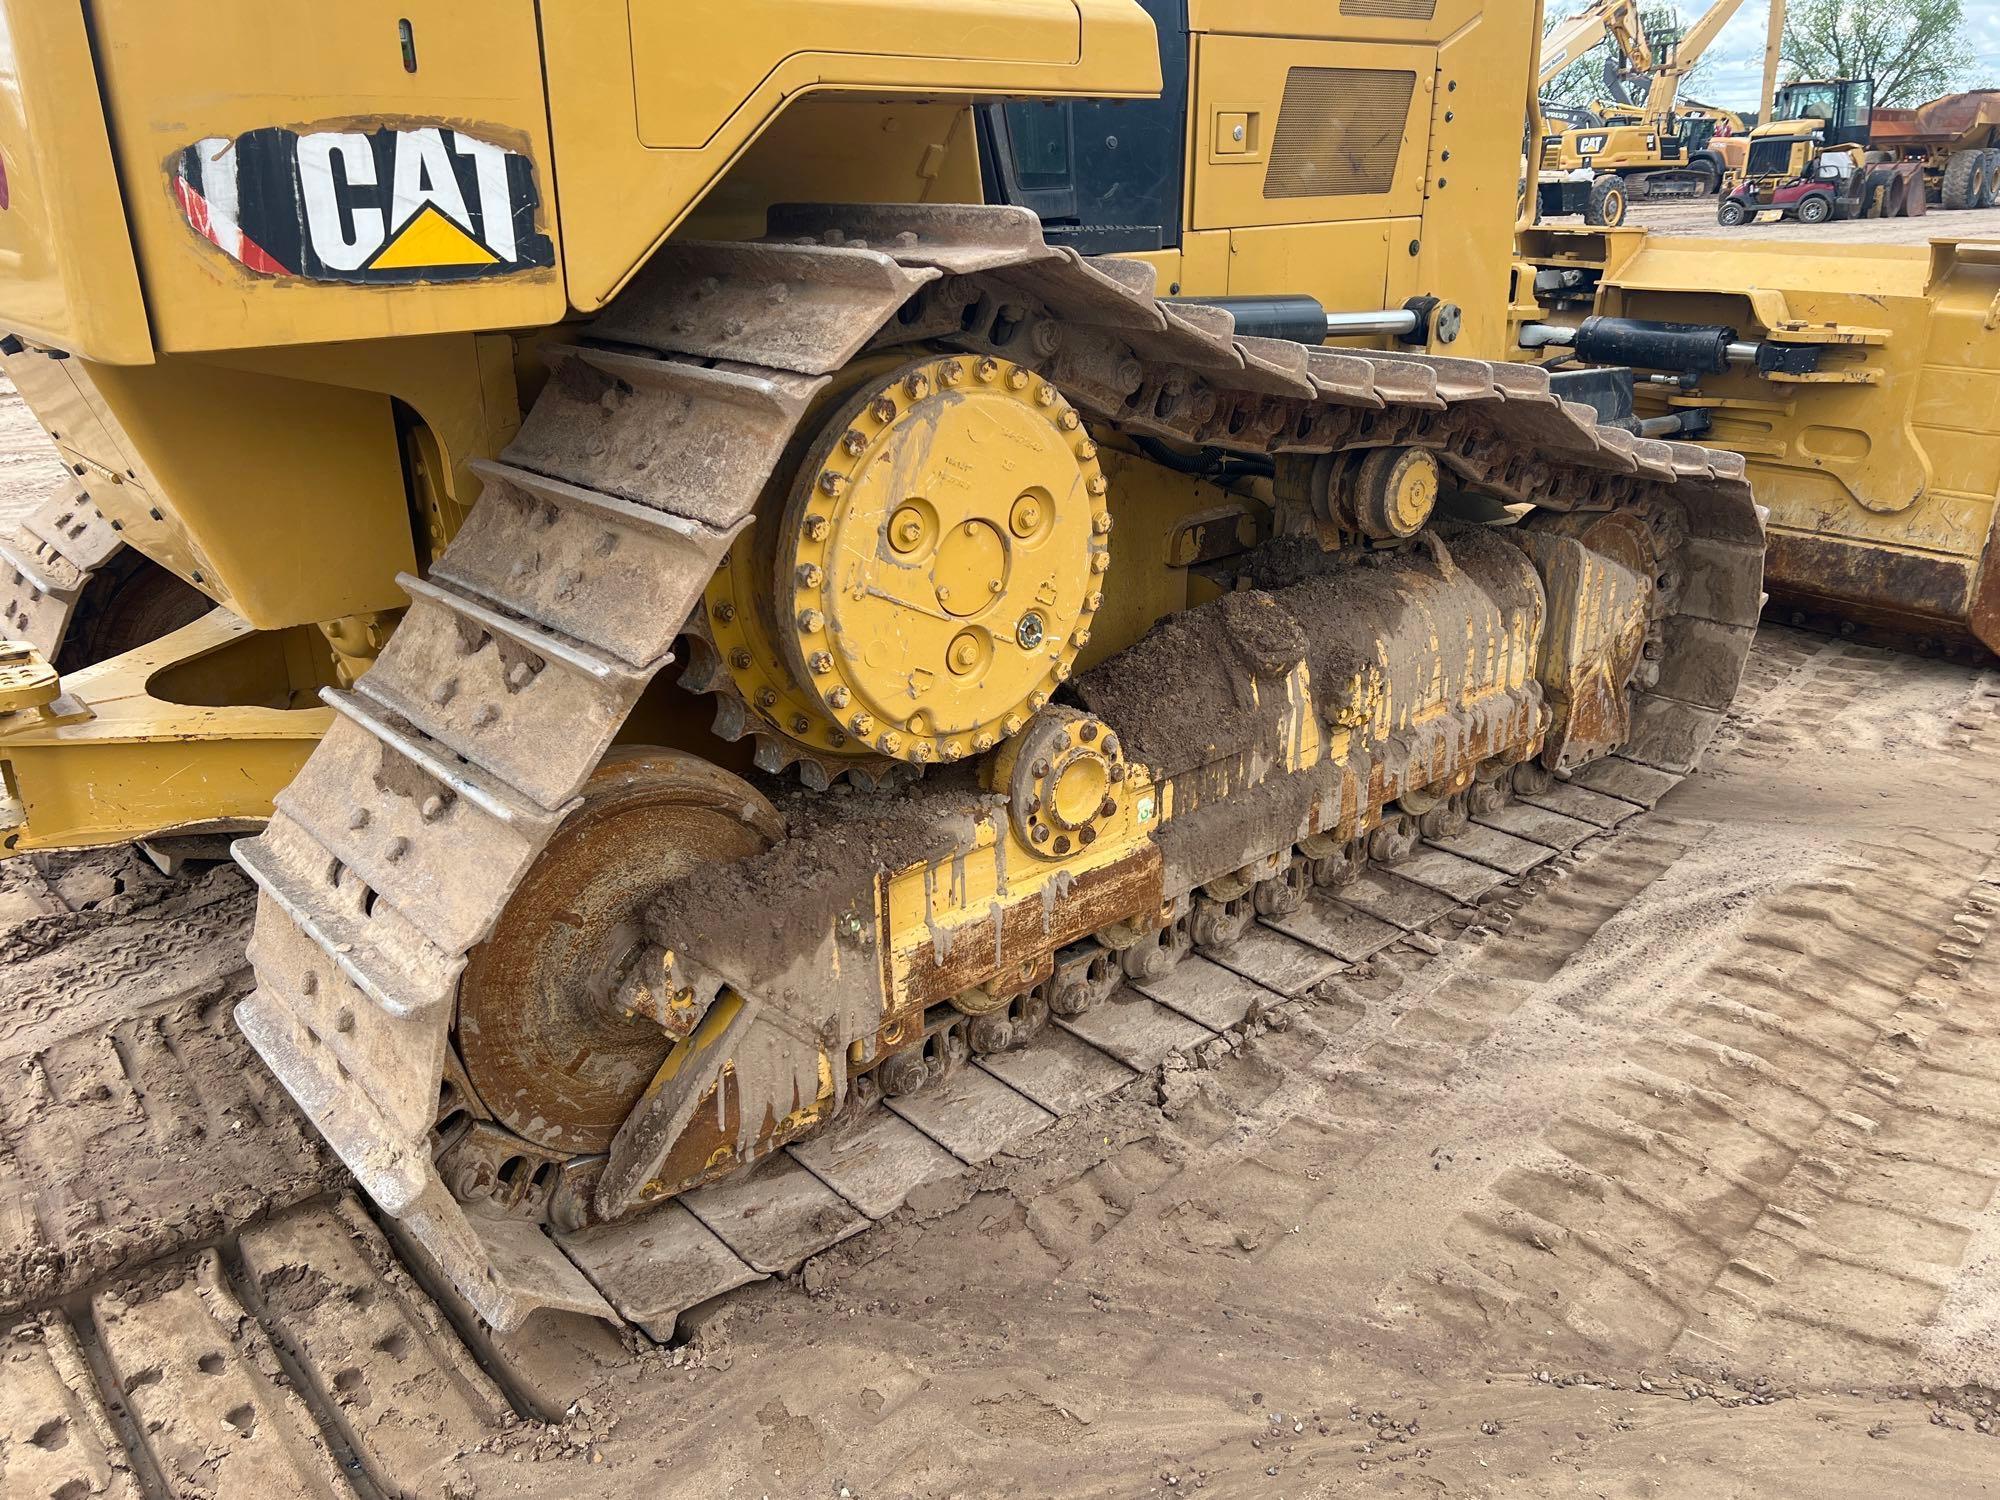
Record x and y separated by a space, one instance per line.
811 621
810 576
1101 525
839 697
740 659
821 663
1069 421
725 611
766 698
815 529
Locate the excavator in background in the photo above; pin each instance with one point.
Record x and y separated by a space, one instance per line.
1573 37
1650 149
1073 469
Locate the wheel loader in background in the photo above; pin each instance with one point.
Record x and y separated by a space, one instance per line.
1825 143
1073 468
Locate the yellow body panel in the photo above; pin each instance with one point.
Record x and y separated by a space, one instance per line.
273 480
620 196
69 274
175 76
1380 143
1456 158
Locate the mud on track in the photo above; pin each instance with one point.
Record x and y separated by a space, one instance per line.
1673 1167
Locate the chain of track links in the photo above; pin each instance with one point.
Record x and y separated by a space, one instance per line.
452 761
46 564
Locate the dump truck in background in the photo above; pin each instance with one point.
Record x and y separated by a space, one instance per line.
1956 138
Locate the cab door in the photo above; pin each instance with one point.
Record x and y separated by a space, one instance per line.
1299 132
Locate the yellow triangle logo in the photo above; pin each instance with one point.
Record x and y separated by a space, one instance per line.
431 239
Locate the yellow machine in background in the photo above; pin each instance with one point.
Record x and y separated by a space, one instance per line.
1858 380
1657 149
1075 437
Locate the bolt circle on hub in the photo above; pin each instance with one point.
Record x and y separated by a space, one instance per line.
934 570
1063 779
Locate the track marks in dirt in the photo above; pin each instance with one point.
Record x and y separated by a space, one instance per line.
1762 1181
301 1360
138 1137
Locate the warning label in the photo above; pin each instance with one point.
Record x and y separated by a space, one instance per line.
397 204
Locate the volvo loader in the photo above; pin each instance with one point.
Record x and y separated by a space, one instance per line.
740 554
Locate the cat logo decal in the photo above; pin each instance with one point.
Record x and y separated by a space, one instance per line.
393 205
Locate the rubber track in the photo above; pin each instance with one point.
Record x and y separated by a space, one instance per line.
453 760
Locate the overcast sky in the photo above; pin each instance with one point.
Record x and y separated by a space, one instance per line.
1735 69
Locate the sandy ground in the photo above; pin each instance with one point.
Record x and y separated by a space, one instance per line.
1676 1176
1698 218
29 467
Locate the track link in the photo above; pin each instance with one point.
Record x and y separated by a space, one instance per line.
303 1356
453 760
48 562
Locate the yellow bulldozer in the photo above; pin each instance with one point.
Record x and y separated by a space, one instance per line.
735 556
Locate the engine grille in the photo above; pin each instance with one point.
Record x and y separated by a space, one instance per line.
1339 131
1770 157
1399 10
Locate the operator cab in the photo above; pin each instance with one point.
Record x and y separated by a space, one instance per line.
1844 106
1104 177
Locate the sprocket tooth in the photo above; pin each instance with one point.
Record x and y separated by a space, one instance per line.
732 719
704 671
774 754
